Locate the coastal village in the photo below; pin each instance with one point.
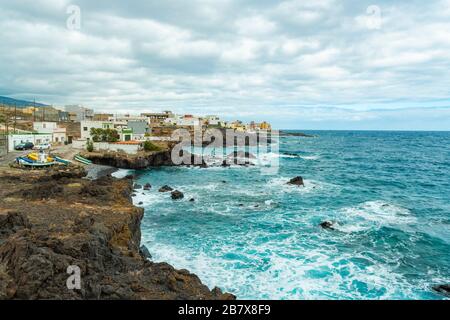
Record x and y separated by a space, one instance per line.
79 128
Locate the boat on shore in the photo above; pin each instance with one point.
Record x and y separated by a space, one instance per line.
82 160
34 164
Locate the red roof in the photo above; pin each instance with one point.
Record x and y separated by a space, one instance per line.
129 142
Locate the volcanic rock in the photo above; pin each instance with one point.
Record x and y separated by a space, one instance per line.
165 188
177 195
329 225
297 181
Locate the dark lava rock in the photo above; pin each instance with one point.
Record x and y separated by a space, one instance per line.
40 239
192 200
177 195
443 289
147 186
144 252
297 181
12 222
328 225
140 203
165 189
225 164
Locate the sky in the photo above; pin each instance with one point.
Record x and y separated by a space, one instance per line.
322 64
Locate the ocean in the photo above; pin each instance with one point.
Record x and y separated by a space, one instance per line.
257 237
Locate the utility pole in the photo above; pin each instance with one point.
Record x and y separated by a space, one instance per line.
7 130
15 117
34 110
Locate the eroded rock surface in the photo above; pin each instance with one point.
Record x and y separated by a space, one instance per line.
50 220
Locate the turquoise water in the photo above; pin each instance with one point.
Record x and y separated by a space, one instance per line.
257 237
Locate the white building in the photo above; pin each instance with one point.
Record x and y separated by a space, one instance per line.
86 127
35 138
213 120
58 134
186 120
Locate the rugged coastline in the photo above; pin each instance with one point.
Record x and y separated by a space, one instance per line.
52 219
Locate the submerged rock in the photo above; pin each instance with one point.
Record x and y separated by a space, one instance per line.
192 200
177 195
137 186
147 186
443 289
165 188
328 225
297 181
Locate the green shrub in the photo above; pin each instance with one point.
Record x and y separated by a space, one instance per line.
149 146
90 146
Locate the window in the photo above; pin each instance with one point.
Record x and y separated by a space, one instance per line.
85 129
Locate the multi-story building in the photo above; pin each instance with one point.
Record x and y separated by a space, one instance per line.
139 129
102 116
158 118
79 113
57 132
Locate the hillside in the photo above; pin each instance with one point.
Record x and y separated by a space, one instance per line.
19 103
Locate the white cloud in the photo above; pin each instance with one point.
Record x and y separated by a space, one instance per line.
243 57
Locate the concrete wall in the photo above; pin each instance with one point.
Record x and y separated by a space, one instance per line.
15 139
127 148
79 144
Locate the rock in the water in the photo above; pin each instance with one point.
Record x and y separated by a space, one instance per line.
176 195
192 200
225 164
297 181
145 253
329 225
147 186
165 189
443 289
140 203
137 186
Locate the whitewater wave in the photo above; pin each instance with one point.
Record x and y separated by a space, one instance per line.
310 157
373 214
282 271
122 173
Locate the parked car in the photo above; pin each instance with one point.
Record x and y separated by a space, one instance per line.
24 146
43 146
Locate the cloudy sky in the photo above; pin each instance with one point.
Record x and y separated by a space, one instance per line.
318 64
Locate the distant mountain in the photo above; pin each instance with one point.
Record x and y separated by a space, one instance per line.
19 103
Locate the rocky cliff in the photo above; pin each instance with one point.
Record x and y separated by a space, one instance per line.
50 220
141 160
